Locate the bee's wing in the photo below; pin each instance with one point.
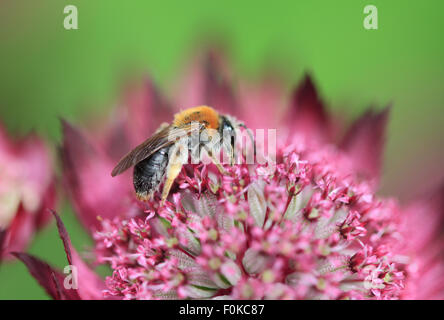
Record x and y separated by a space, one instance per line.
160 139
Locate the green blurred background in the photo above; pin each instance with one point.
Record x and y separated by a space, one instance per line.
47 72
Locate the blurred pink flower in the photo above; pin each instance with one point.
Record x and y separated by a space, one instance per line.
26 190
314 229
89 158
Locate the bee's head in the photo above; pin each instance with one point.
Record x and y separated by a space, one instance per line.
227 130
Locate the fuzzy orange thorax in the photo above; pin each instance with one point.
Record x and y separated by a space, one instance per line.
202 114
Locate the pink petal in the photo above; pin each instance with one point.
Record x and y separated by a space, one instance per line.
87 177
90 284
64 236
117 140
143 109
424 219
27 173
307 115
35 156
207 82
364 142
27 161
261 103
218 91
423 222
19 233
50 279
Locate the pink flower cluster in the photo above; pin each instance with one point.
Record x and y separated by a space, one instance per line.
308 230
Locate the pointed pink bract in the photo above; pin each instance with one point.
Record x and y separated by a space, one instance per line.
87 178
364 142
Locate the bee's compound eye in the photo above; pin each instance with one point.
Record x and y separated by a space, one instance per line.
227 127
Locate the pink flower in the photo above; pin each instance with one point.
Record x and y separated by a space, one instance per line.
312 229
89 158
26 190
307 231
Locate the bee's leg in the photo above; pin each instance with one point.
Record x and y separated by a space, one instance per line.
229 150
214 159
177 156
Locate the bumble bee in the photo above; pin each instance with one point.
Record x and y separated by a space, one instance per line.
160 158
